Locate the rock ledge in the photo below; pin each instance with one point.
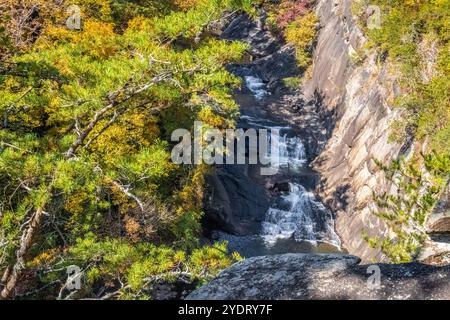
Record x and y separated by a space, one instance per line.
327 276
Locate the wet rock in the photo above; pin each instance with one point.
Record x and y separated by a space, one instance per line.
281 187
330 276
261 41
235 203
272 60
277 66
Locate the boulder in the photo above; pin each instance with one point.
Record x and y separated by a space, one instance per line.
281 187
235 203
327 276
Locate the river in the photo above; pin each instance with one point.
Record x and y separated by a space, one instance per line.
296 221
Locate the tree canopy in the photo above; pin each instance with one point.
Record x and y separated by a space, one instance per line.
84 140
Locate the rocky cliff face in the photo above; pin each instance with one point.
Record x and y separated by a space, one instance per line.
343 114
346 110
303 276
359 92
359 97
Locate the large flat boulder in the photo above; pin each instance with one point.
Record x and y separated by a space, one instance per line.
329 276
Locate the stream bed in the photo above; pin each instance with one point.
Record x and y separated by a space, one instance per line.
266 215
296 221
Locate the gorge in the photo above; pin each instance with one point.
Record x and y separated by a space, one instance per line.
345 103
277 213
334 129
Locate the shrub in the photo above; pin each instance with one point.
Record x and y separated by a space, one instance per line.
292 82
291 10
302 33
415 36
419 185
84 151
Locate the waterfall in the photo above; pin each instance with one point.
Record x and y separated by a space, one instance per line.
295 220
256 86
292 152
298 214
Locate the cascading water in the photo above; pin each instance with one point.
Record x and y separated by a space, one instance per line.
299 215
257 86
296 221
292 152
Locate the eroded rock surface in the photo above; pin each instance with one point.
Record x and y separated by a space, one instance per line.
359 96
304 276
236 204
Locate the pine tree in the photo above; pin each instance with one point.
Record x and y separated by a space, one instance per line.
83 142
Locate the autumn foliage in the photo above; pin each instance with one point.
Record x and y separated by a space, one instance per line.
85 144
290 10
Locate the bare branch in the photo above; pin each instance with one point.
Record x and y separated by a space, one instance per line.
25 245
127 192
110 122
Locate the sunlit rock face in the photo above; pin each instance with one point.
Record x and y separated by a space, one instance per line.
304 276
359 97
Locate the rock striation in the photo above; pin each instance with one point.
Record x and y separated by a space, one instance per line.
359 95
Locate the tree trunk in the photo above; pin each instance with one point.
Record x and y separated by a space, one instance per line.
25 245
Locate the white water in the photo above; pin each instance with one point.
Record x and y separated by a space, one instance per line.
292 152
256 86
297 213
